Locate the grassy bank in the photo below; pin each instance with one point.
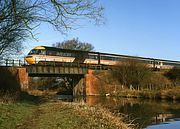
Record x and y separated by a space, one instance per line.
57 115
13 115
173 94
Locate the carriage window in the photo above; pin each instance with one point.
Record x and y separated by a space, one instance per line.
37 52
107 57
59 53
43 52
118 58
52 53
66 54
93 57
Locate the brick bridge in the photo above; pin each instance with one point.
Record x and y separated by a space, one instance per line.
83 80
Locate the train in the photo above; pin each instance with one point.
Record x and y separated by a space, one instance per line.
42 54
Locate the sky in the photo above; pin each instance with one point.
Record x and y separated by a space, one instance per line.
146 28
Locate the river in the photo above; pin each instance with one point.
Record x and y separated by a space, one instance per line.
146 113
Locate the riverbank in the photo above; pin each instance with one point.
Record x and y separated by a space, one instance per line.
171 94
57 114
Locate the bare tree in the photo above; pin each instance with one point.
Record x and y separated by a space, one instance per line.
64 14
132 72
74 44
13 27
18 18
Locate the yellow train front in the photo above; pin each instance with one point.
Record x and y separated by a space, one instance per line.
42 54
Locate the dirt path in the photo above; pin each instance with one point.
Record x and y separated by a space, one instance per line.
31 121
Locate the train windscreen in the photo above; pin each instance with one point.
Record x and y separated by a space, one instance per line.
37 52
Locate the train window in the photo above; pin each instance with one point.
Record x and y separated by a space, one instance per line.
147 61
52 53
118 58
43 52
37 52
93 57
107 57
66 54
59 54
115 58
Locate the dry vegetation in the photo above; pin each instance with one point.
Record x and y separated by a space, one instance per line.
132 78
19 110
58 115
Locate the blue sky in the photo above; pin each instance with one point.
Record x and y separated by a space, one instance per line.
148 28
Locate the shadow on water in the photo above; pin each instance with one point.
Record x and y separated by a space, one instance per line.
144 112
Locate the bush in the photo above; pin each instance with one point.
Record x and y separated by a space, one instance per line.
174 76
132 73
135 74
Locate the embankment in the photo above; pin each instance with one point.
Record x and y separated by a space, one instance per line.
170 94
58 115
159 87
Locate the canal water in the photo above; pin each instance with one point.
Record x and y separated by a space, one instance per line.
148 114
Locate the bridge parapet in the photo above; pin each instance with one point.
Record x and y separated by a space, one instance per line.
12 62
38 70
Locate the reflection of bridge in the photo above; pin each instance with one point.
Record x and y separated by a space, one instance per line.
81 74
162 117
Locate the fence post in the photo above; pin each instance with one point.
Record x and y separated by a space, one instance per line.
45 62
13 62
19 62
54 63
6 62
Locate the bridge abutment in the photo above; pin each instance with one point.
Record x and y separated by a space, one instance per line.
23 78
13 79
88 85
94 85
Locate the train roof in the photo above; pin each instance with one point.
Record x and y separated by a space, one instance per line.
106 54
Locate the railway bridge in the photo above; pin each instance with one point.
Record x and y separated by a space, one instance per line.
83 79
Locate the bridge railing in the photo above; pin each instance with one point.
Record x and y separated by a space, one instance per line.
12 62
73 64
22 62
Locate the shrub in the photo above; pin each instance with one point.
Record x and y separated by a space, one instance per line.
132 73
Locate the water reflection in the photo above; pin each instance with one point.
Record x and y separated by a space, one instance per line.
169 125
146 113
143 111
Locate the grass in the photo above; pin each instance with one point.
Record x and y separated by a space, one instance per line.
57 115
12 115
67 117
